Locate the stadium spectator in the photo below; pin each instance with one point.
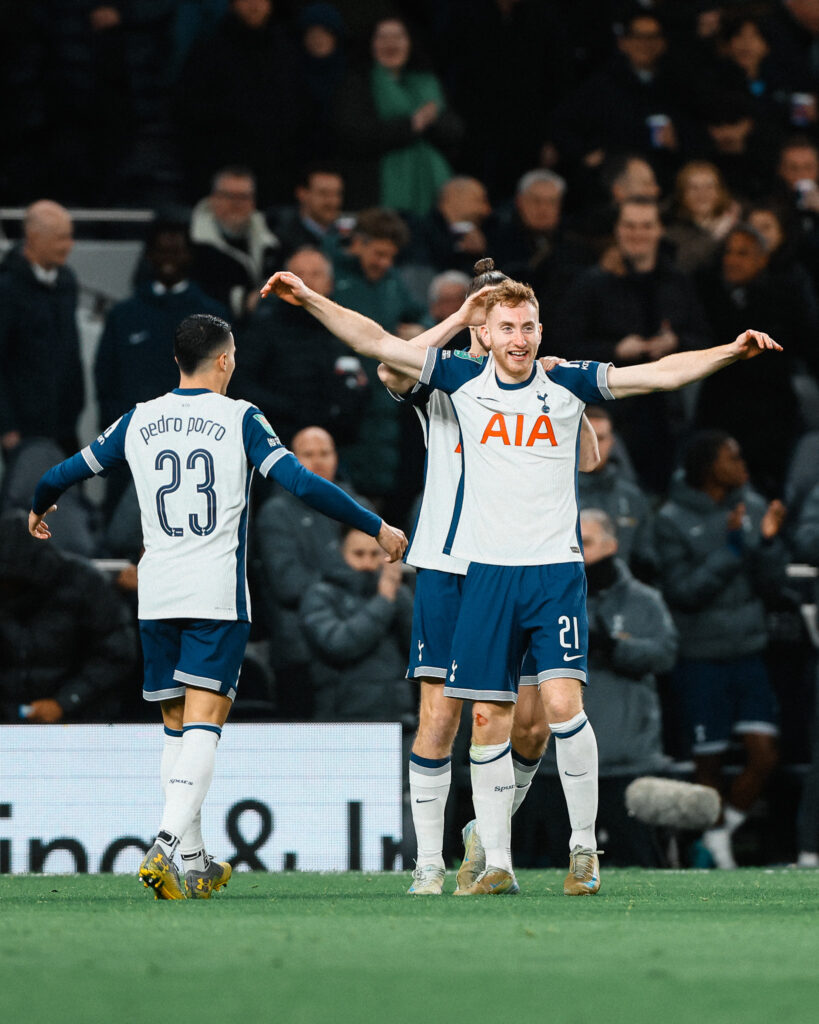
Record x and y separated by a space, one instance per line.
394 127
239 113
702 213
312 222
66 639
607 489
632 639
795 44
324 62
234 251
447 292
91 79
633 102
296 370
295 544
771 220
620 177
528 240
41 388
798 178
357 621
639 309
740 144
134 360
367 282
806 549
720 558
450 236
506 124
740 291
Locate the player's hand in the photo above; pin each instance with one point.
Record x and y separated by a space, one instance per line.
44 711
37 526
473 309
392 541
550 362
772 520
288 287
753 343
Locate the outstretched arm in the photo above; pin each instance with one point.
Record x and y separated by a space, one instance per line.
681 368
361 334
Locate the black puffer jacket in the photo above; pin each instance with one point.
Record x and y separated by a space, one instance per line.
714 587
65 633
359 643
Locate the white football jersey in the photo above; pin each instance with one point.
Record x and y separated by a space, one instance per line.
191 453
442 474
517 497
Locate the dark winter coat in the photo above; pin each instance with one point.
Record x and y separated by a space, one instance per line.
359 644
713 582
41 384
65 633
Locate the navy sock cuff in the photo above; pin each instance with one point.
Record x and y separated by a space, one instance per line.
173 732
525 762
429 762
206 726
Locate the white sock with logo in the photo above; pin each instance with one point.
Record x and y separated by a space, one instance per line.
429 782
188 782
576 754
493 792
192 846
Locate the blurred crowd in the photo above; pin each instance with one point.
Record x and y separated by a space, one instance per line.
651 169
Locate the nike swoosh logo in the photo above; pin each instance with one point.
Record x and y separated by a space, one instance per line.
572 657
575 775
429 801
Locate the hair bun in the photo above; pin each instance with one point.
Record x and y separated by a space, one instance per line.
483 266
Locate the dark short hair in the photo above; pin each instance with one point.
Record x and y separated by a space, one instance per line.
165 226
233 171
318 167
700 454
197 338
382 225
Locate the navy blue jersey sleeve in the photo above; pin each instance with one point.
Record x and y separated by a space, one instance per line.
106 451
262 444
417 396
323 496
449 371
586 379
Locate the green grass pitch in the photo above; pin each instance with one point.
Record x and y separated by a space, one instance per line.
652 946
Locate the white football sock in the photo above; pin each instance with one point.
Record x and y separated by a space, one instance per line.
525 771
732 817
429 782
576 753
189 782
191 847
493 791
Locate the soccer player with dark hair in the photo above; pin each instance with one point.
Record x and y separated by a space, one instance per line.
192 453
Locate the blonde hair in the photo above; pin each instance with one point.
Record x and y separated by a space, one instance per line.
724 198
510 293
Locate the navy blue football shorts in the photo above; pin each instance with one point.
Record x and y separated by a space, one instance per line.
717 699
204 653
434 614
504 610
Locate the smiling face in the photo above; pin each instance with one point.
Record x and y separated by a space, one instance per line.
512 334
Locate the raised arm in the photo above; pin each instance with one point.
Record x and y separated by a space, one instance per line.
681 368
472 313
361 334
